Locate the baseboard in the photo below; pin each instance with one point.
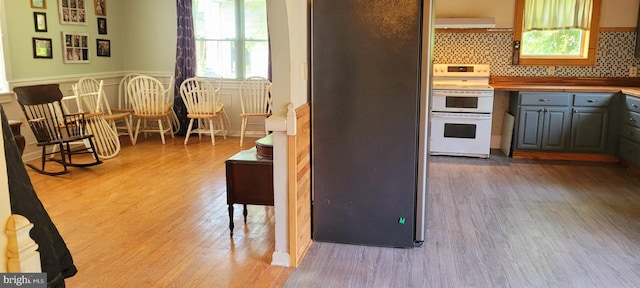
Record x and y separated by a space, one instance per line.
592 157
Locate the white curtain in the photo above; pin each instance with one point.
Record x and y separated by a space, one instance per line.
557 14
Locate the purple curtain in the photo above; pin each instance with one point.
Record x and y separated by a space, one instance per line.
185 59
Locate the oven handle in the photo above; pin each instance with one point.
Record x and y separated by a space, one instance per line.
461 116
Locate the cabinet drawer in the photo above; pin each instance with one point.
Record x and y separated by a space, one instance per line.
631 118
592 99
633 104
630 152
545 99
631 133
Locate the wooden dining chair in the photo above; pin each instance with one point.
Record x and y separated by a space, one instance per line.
149 100
124 105
99 123
255 101
92 98
201 99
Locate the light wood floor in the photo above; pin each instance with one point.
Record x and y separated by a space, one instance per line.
503 223
156 216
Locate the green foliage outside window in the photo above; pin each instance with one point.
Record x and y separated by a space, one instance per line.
565 42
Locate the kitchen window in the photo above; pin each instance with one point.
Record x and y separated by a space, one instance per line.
557 32
231 38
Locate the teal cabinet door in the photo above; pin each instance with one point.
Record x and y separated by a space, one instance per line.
589 129
530 127
555 128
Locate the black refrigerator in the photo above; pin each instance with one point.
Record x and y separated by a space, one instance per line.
370 85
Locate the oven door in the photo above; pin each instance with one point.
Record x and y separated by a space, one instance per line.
460 134
470 101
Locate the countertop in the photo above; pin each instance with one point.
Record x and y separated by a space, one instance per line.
629 86
632 91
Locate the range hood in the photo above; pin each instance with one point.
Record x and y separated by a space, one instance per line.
465 23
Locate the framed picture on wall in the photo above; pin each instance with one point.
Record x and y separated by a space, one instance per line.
100 7
39 4
40 21
104 47
72 12
102 25
42 48
75 47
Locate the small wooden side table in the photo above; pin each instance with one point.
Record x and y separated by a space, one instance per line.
15 129
249 181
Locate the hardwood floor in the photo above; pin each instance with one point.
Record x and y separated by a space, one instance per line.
155 216
503 223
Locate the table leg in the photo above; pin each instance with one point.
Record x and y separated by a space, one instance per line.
231 219
244 213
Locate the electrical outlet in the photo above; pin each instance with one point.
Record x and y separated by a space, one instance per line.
633 71
551 70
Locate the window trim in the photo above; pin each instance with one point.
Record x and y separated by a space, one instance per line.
590 60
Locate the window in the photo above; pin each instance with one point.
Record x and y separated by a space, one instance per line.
557 32
231 38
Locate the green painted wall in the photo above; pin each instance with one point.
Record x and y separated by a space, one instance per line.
20 30
149 35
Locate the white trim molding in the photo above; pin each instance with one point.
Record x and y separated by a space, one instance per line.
278 126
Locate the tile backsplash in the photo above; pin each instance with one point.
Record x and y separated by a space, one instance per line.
614 56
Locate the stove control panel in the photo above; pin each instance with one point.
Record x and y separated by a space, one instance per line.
461 70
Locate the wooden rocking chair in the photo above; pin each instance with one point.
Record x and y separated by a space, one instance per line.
51 126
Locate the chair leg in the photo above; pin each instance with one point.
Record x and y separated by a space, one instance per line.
170 124
95 153
129 130
135 137
227 120
68 150
186 137
242 130
161 130
213 135
224 130
175 122
43 162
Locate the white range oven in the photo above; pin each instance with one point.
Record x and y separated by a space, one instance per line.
461 110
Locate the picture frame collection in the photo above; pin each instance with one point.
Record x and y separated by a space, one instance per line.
75 45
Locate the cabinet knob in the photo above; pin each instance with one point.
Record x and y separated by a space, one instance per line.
576 111
634 105
543 99
632 119
592 101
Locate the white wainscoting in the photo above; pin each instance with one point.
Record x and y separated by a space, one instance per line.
229 96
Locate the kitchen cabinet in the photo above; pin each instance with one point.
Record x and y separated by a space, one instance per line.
590 122
561 122
543 128
629 149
